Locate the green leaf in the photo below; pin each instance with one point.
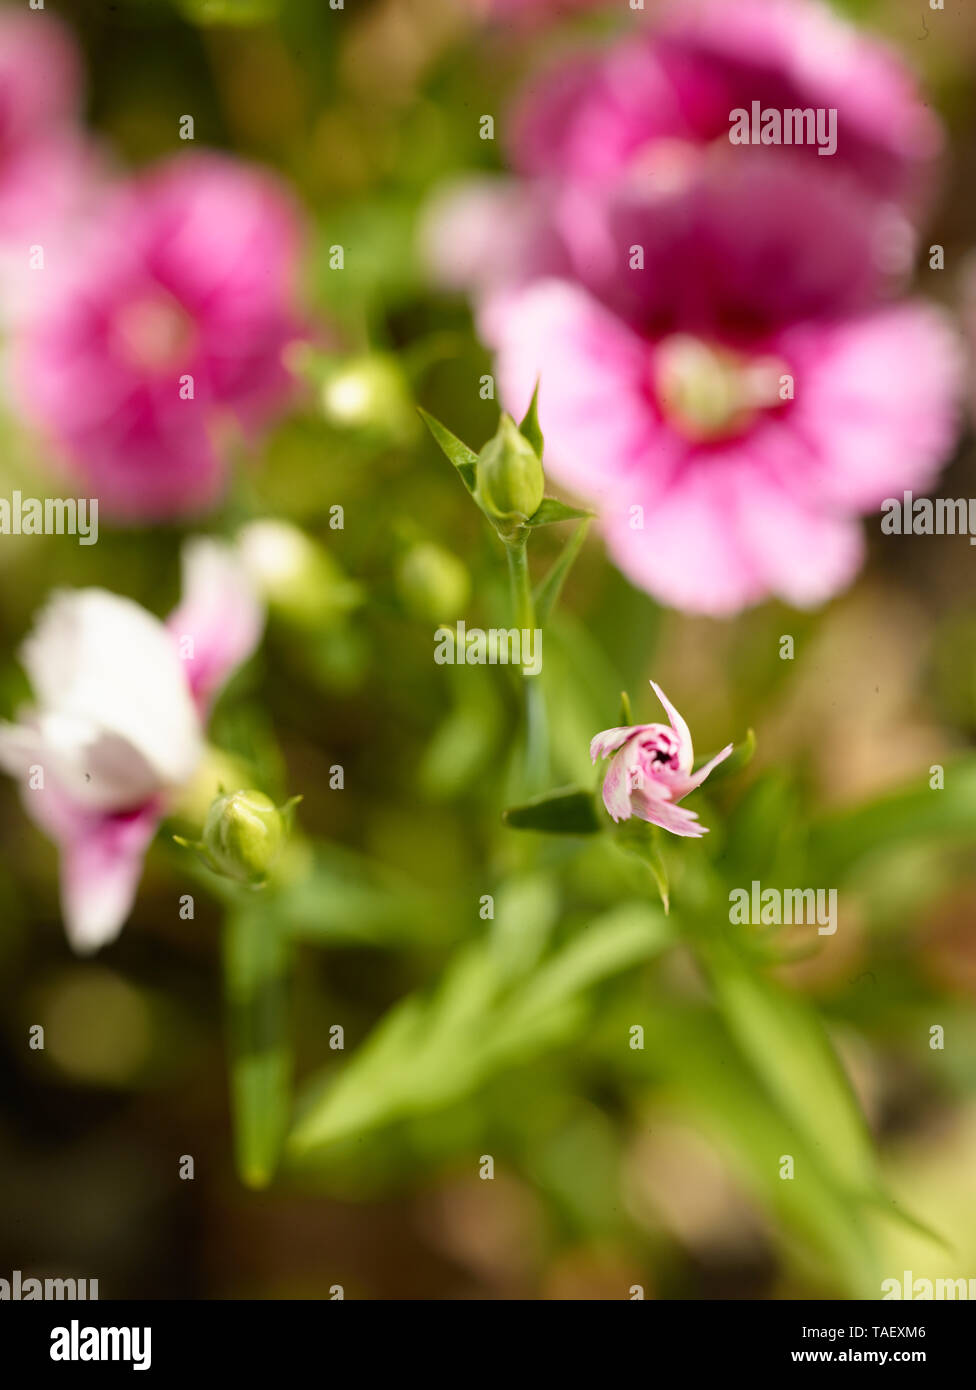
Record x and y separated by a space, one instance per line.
548 591
526 910
709 1080
432 1050
568 811
464 459
785 1044
529 428
552 510
620 938
342 898
257 967
626 717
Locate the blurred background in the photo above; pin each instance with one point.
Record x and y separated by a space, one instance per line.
614 1167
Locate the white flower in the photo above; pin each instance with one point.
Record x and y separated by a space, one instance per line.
118 724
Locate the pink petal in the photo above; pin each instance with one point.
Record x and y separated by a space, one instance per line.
729 532
677 819
808 56
219 621
802 554
100 873
618 785
101 861
698 777
686 554
678 725
877 403
607 742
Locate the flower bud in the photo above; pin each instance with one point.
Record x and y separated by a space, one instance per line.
369 395
243 836
432 583
509 479
295 576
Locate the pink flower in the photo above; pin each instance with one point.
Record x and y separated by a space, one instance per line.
48 167
122 701
735 403
649 114
604 115
169 336
650 771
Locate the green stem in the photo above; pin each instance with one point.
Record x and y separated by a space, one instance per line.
518 571
536 767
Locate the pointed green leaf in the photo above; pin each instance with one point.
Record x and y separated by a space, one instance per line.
464 459
552 510
626 717
622 937
547 593
529 428
568 811
787 1047
483 1017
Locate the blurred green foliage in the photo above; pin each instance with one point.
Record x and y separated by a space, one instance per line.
509 1034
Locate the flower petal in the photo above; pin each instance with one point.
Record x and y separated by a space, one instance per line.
101 861
618 785
877 404
219 612
104 668
677 819
100 872
698 777
678 724
609 740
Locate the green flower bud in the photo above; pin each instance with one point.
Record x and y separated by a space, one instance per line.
243 836
509 479
369 395
432 584
295 576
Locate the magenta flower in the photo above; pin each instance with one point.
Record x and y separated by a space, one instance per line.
169 336
650 770
48 166
735 402
118 727
646 102
650 113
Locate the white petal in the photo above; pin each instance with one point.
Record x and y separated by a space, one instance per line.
106 674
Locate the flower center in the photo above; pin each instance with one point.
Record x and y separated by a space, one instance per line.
153 332
707 392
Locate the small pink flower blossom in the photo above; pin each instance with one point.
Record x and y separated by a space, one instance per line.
169 336
650 770
118 727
